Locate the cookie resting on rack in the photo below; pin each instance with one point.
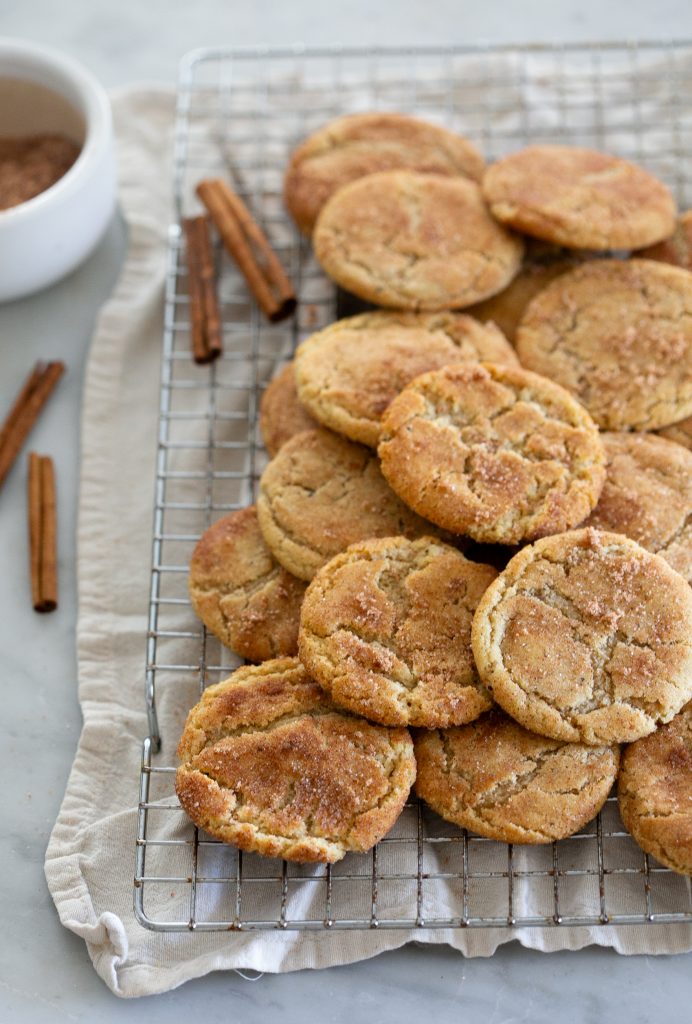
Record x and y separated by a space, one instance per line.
579 198
415 241
493 452
586 637
655 792
281 412
270 765
247 600
505 783
386 630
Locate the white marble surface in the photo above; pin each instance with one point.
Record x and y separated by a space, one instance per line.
45 974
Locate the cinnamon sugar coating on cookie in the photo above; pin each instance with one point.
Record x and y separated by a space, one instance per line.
508 784
579 198
494 452
322 493
655 792
618 334
647 495
249 601
586 637
281 413
270 765
386 630
359 144
415 241
348 373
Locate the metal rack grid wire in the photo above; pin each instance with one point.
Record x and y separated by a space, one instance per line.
239 114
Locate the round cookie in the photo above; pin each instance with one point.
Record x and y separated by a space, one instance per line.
586 637
270 765
415 241
348 373
678 248
507 307
281 413
618 334
655 792
494 452
647 495
322 493
680 432
579 198
241 593
386 630
506 783
359 144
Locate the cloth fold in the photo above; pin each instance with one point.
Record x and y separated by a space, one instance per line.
90 857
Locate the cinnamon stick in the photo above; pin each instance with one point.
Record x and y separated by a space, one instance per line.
205 323
25 411
247 244
42 533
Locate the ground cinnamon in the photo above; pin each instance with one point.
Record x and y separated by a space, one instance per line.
31 164
247 244
42 533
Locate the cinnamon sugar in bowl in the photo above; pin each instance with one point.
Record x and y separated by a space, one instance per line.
57 169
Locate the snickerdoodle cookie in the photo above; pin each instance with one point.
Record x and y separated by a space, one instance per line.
678 248
386 630
506 783
270 765
281 413
618 334
655 792
579 198
322 493
415 241
586 637
359 144
647 495
241 593
348 373
507 307
494 452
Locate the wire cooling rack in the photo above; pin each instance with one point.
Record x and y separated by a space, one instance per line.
239 115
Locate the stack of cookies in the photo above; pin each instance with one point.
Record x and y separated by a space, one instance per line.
474 525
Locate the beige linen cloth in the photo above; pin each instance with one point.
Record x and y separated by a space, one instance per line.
90 858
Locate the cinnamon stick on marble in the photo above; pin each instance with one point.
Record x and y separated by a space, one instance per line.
25 411
247 244
42 533
205 323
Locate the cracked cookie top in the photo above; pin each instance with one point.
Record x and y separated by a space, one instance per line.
272 766
506 783
348 373
586 637
678 248
249 601
415 241
647 495
386 630
359 144
494 452
655 792
618 334
322 493
281 413
579 198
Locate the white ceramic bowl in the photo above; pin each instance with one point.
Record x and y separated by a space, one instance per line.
46 237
